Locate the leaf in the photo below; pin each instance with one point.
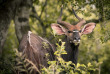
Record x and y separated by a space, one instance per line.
18 67
22 70
78 65
89 64
31 71
19 62
27 64
68 63
82 65
30 68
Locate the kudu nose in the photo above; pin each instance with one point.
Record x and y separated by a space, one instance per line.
77 39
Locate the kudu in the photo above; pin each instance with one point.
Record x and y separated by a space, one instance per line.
72 35
32 45
36 48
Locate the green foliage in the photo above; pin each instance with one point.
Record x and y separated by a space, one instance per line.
94 48
59 65
8 55
24 65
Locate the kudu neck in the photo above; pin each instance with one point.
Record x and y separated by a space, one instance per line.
72 51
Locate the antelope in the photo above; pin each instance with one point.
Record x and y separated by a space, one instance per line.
32 44
35 48
72 34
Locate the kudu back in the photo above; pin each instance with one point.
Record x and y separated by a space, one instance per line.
32 45
35 48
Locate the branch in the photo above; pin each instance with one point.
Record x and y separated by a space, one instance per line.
43 8
35 15
79 7
94 20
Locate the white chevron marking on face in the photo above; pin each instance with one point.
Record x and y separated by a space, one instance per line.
75 31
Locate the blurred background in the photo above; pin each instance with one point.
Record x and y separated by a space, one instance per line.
37 16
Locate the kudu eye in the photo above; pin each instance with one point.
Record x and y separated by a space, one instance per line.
80 31
69 31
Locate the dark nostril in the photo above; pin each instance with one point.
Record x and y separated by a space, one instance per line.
77 38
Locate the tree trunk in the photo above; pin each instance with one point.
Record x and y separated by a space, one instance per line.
7 9
22 18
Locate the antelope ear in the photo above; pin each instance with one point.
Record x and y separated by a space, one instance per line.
58 29
88 28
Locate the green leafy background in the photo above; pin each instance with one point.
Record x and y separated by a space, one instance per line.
94 48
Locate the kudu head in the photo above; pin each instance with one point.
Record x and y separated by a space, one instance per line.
73 32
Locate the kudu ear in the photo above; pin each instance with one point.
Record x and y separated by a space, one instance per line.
88 28
58 29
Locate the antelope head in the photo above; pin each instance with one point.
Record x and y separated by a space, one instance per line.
73 32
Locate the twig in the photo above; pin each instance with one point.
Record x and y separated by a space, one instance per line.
35 15
43 8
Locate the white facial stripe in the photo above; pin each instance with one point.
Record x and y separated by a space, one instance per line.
78 40
75 41
75 31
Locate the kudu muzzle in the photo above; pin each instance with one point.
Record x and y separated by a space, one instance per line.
76 36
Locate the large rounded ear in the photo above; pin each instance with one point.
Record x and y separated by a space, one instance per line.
58 29
88 28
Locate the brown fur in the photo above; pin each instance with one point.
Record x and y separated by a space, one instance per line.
32 46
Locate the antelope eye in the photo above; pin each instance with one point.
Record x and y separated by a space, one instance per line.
69 31
80 31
